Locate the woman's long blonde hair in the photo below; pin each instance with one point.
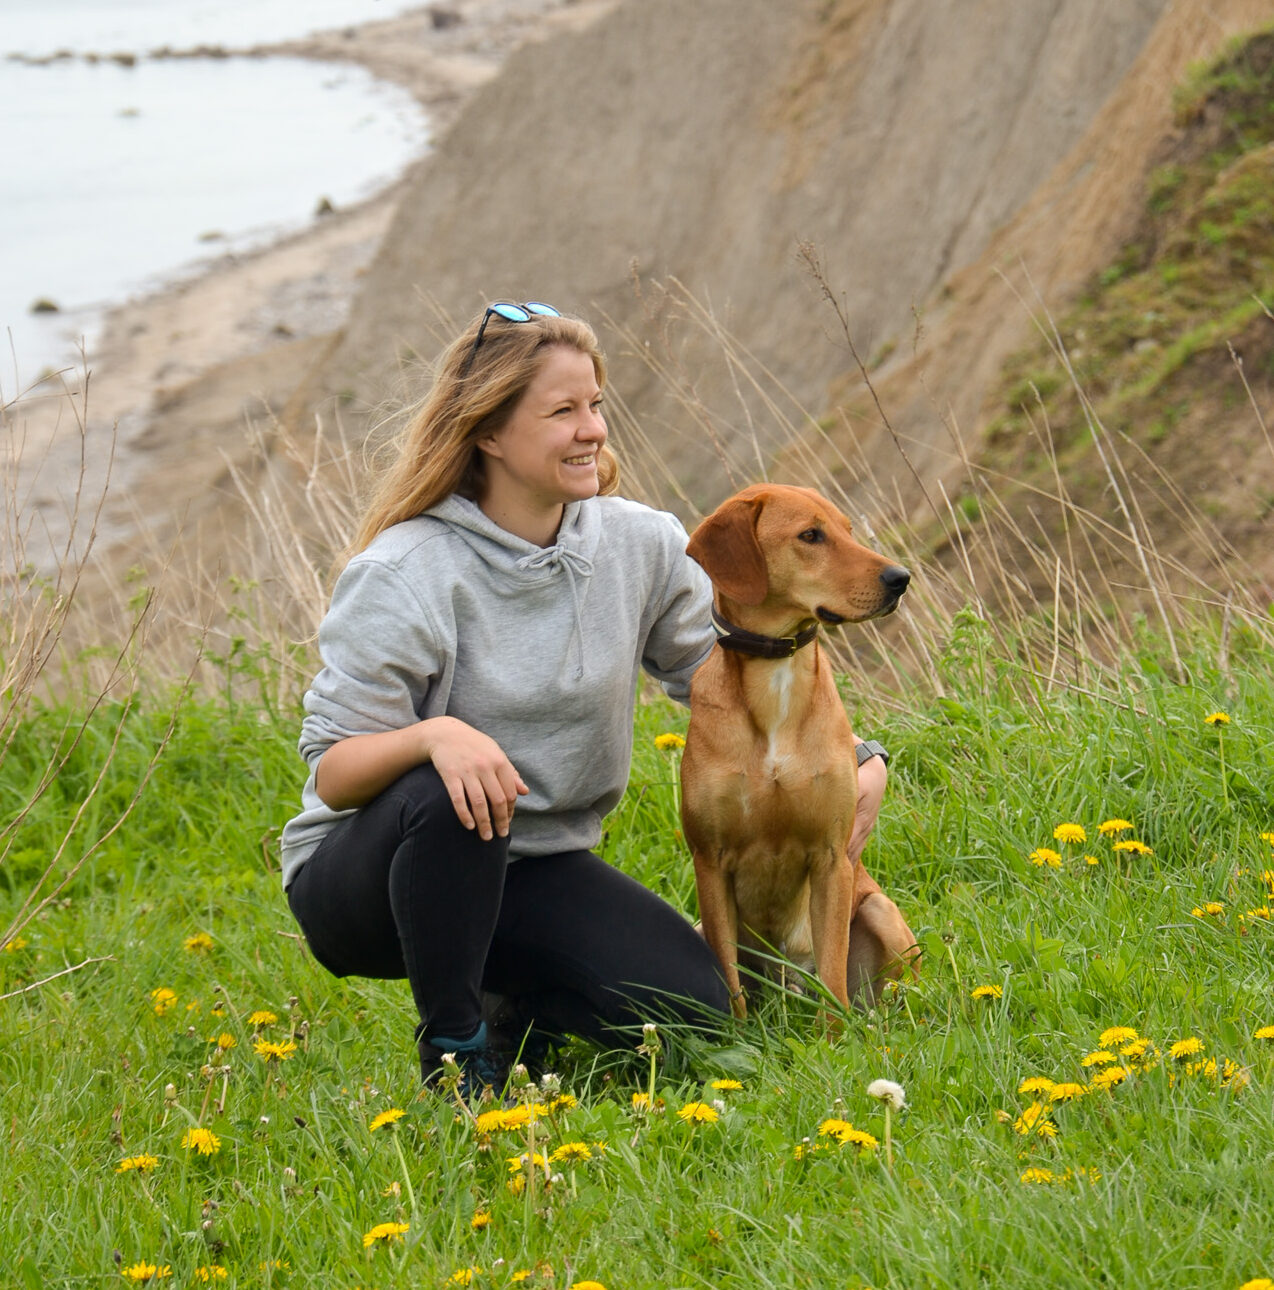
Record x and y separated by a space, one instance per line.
472 396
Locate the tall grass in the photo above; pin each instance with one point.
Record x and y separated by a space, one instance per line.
155 984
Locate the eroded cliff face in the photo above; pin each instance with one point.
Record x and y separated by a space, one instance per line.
703 143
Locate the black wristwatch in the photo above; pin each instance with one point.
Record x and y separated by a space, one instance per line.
870 748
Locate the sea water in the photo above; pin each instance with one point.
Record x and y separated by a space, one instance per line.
115 179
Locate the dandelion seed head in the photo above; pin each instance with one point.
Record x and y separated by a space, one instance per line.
885 1090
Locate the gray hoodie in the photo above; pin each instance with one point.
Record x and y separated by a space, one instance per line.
538 647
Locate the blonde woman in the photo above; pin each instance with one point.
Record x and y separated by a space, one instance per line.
473 720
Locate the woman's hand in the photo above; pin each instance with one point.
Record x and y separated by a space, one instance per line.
481 781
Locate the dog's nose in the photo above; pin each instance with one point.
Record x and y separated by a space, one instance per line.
896 579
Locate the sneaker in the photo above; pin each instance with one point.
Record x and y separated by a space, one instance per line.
481 1066
511 1032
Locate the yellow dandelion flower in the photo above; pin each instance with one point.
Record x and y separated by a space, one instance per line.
386 1117
670 740
1066 1092
147 1272
1091 860
517 1184
571 1151
1070 833
845 1133
522 1274
517 1163
481 1219
18 943
1035 1120
1115 1035
1217 718
1132 846
1100 1058
141 1164
386 1232
858 1138
262 1018
1263 1032
725 1085
1035 1084
204 1141
987 992
641 1102
1109 1077
199 943
1045 856
1262 912
463 1276
1258 1283
587 1285
1135 1049
489 1121
522 1114
1107 827
1210 910
1037 1176
163 999
269 1051
211 1272
699 1113
225 1041
1184 1048
1206 1068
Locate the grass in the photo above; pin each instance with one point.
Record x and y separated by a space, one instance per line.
1162 1179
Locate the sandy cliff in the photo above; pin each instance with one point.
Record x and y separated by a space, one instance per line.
908 140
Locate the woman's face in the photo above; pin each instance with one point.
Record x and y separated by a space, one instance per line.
546 454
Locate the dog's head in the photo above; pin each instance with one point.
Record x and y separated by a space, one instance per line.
791 549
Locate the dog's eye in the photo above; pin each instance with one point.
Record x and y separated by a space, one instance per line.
812 535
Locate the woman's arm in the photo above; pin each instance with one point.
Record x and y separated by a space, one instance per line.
481 781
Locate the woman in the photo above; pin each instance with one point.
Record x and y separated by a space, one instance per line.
472 723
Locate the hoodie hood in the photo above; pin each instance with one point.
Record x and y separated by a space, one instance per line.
569 557
576 541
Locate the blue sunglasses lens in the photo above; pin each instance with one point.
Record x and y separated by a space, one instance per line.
514 313
539 307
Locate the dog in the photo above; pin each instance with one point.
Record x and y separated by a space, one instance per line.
769 775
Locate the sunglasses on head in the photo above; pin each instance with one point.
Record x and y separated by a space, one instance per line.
510 313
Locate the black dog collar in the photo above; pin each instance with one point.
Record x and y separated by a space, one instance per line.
757 646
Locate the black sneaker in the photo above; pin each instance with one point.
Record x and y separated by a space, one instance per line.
512 1033
481 1066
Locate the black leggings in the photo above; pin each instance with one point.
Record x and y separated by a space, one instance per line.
402 889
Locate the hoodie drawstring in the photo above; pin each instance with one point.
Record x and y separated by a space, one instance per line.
561 557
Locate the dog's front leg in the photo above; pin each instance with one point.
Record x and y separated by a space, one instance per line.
831 899
719 916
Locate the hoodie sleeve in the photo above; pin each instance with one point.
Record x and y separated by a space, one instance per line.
380 656
681 635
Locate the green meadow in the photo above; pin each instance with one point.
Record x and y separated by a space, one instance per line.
1087 1058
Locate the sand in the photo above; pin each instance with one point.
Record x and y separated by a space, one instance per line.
240 335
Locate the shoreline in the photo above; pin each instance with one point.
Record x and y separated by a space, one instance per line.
236 331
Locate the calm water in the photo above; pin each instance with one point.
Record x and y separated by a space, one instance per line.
114 178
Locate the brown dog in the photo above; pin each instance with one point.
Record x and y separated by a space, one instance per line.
769 775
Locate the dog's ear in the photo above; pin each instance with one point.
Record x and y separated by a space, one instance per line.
727 547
